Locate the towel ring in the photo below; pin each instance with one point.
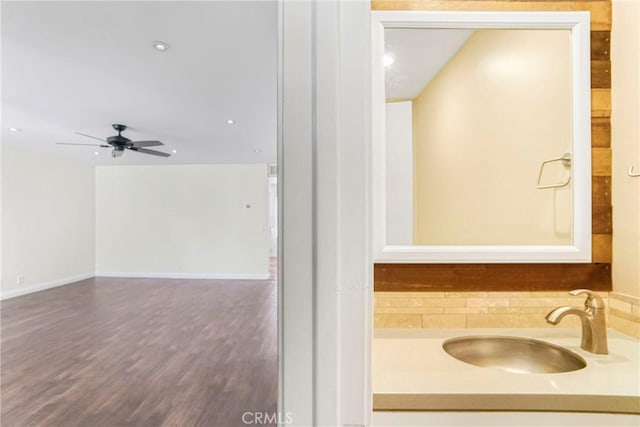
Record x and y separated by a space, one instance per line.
566 161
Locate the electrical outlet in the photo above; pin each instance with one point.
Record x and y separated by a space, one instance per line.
20 280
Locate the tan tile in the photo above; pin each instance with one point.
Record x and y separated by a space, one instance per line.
624 315
514 321
487 302
465 310
549 294
408 310
620 305
399 302
383 295
466 294
433 294
625 297
446 302
443 321
420 302
564 294
518 294
397 321
421 294
519 310
544 302
635 310
625 326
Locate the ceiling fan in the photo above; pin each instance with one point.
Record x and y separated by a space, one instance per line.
120 143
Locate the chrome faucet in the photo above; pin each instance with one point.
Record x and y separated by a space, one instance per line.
594 328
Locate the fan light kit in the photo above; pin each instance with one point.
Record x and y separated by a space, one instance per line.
119 143
161 46
174 151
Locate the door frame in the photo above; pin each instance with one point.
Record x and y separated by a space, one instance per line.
325 272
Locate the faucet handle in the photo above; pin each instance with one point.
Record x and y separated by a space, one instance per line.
593 299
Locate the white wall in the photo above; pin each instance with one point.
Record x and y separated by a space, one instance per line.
625 134
47 221
399 173
182 221
479 146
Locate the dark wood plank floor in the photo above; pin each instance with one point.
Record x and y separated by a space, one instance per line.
139 352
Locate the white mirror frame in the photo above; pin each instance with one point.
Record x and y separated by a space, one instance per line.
580 250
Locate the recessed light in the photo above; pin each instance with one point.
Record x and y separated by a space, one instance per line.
160 46
388 59
96 153
230 121
15 129
174 151
257 150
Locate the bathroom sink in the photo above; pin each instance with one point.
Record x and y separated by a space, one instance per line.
513 354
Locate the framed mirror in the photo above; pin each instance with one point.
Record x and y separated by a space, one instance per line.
481 133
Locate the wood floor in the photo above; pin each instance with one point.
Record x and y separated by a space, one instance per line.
139 352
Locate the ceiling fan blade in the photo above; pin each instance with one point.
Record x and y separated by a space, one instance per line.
89 136
91 145
153 152
146 143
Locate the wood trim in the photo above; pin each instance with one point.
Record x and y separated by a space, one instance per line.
600 45
601 191
601 161
495 277
600 102
601 248
600 9
601 219
601 74
600 132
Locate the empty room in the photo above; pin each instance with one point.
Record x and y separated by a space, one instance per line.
139 213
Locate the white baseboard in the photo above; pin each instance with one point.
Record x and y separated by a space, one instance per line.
220 276
71 279
45 285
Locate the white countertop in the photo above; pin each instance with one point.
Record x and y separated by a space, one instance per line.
410 368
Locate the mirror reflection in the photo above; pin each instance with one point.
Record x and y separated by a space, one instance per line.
478 136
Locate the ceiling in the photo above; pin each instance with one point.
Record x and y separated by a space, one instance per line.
419 53
81 66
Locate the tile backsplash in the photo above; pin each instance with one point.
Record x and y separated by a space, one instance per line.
472 309
624 313
495 310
